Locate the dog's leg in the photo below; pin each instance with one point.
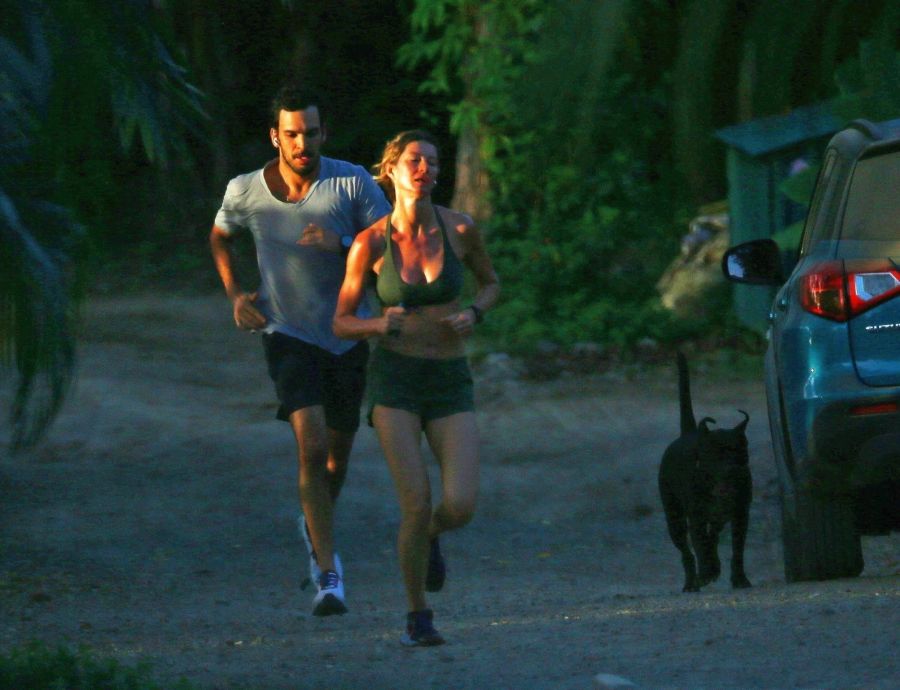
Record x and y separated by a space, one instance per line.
710 567
739 524
704 539
676 521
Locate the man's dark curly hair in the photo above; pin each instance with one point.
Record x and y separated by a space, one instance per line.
293 98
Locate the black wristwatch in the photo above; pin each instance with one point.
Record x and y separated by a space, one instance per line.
479 313
346 243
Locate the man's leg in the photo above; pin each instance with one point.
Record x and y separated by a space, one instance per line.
299 371
344 384
318 484
340 443
316 500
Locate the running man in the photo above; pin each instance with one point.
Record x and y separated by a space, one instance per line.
304 210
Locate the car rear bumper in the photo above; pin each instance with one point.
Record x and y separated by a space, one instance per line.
855 443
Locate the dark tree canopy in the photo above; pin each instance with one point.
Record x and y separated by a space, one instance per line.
584 133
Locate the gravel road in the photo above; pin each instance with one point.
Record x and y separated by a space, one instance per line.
157 523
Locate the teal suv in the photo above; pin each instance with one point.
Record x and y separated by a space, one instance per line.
832 368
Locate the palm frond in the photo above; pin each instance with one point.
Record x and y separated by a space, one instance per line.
36 348
36 342
48 71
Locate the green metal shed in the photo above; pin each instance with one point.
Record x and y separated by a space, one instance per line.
761 154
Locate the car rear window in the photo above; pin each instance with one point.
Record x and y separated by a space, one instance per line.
873 200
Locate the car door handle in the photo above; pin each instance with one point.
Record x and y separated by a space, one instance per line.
782 304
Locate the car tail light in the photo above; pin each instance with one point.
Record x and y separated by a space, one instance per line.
874 408
824 292
839 291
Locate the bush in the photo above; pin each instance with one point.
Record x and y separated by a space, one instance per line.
38 667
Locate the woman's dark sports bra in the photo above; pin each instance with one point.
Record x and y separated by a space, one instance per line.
393 291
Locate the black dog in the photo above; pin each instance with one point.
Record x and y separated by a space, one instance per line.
704 482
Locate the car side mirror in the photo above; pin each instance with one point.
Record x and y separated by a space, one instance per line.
757 262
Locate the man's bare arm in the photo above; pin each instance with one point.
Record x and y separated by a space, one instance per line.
246 315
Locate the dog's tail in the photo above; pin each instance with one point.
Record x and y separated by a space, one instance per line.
688 422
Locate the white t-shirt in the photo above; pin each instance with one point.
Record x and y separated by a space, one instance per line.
299 285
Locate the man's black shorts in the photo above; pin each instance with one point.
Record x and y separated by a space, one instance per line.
307 375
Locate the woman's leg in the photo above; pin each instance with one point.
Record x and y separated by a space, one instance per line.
399 433
454 442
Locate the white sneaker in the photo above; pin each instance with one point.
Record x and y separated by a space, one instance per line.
329 600
315 572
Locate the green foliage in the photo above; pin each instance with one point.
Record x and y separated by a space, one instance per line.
595 123
476 51
870 84
35 316
707 48
788 239
65 94
131 111
587 208
584 206
869 88
35 239
37 667
444 50
799 187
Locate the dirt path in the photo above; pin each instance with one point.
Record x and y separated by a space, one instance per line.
157 523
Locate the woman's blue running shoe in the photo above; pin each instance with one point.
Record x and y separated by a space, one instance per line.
420 631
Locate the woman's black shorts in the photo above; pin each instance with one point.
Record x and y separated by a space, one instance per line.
430 388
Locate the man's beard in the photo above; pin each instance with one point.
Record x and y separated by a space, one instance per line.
297 167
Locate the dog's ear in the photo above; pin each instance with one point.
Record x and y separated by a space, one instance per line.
743 425
703 422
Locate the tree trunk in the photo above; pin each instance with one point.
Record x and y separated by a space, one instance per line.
472 183
695 108
470 193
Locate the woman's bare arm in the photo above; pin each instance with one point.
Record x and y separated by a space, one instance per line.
366 250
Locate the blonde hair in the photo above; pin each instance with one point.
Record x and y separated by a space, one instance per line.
392 152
